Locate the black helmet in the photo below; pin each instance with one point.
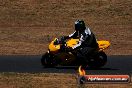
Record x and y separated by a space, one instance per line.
79 25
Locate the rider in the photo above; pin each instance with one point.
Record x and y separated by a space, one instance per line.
87 41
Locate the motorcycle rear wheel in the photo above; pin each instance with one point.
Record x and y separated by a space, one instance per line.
98 61
102 59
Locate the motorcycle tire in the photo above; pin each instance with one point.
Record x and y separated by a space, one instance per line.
99 61
47 60
102 59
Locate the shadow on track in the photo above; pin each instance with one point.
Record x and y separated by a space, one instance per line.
32 64
71 67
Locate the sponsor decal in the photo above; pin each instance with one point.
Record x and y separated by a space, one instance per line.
83 78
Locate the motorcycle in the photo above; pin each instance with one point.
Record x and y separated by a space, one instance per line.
58 55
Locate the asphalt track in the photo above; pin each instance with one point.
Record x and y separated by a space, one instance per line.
31 64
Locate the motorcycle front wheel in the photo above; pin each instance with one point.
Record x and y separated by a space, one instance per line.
99 61
47 60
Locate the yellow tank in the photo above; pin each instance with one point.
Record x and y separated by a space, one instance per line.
103 44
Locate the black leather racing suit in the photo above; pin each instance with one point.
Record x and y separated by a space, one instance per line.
87 42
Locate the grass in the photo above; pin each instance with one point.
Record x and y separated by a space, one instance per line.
48 80
34 23
28 26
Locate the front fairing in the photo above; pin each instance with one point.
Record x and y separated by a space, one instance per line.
53 47
56 47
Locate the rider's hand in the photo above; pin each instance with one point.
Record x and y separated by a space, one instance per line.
62 40
64 37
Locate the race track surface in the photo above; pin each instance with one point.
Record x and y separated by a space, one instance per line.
32 64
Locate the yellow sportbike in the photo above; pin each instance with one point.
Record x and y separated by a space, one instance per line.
58 55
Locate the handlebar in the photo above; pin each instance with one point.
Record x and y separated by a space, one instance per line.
61 41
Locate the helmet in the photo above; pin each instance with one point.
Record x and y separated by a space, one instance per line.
79 25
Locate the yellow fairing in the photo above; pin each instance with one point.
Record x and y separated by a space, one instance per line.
53 47
103 44
72 42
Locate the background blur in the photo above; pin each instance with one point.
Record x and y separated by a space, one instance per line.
28 26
